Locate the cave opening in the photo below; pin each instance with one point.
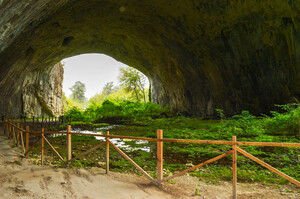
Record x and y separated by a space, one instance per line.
99 77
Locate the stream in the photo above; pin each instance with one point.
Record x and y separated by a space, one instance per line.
117 141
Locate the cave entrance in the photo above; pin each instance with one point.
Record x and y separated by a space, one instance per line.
194 65
90 79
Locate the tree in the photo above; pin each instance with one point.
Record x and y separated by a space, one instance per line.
108 88
78 92
133 80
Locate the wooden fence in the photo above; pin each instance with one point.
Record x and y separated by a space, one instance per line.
42 122
16 132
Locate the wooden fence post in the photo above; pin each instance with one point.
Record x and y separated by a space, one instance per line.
14 134
9 128
27 140
9 134
234 169
107 153
33 122
69 148
18 134
42 152
4 123
12 130
159 157
22 139
5 127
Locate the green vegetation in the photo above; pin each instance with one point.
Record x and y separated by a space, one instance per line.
132 88
279 127
130 93
133 81
78 92
121 103
77 98
122 110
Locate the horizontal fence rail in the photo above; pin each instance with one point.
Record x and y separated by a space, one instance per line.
41 122
15 131
274 144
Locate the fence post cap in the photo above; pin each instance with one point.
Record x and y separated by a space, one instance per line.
69 128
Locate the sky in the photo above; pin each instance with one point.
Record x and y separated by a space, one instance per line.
94 70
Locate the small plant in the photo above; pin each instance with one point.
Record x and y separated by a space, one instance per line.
220 113
171 182
197 192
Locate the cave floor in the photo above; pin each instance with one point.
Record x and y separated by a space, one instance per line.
19 178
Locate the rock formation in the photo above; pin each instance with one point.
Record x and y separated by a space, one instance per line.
42 92
199 54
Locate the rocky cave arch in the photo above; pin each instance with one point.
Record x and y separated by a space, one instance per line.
198 54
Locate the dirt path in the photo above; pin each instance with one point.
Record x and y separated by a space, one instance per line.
21 179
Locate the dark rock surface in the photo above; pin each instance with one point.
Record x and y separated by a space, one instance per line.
198 54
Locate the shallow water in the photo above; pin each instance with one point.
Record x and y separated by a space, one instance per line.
117 141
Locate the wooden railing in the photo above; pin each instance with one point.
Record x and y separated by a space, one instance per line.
16 132
42 122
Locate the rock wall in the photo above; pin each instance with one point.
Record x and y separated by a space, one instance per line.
199 54
42 92
39 93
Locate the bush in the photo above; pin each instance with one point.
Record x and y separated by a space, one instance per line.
247 125
75 114
124 109
108 109
284 123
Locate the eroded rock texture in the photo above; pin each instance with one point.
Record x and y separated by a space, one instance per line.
42 92
39 94
198 54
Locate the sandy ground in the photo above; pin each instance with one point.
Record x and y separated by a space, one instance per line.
19 178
